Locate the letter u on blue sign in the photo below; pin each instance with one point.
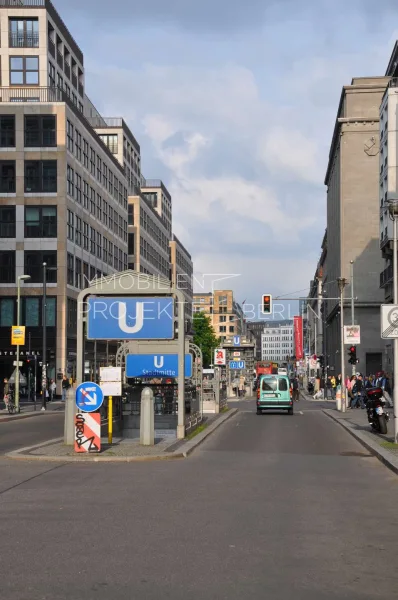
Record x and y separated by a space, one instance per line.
145 318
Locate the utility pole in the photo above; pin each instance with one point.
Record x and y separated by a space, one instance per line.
352 304
342 283
44 357
393 209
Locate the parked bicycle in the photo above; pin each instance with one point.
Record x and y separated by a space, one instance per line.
9 400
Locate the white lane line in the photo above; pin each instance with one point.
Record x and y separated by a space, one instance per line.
301 412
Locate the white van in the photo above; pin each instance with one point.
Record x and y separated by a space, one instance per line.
282 371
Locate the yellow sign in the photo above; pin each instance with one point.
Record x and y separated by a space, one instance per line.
18 336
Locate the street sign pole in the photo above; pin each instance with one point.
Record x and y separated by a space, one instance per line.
395 279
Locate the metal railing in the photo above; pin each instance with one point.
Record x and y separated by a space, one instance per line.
22 3
60 59
386 276
67 69
51 47
23 40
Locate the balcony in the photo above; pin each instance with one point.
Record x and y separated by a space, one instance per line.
60 59
386 276
74 81
51 47
81 90
67 69
23 40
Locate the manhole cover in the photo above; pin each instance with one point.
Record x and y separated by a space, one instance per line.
359 454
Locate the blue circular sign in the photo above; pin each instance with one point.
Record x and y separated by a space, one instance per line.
89 397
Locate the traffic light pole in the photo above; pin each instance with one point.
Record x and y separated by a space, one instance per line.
352 306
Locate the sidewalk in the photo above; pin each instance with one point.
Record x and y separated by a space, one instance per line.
28 410
125 450
356 423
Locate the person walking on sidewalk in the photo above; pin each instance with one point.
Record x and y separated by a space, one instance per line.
52 390
334 385
295 389
65 387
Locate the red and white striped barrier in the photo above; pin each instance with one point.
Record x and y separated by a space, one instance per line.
88 432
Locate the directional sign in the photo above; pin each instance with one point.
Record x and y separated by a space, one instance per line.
237 364
236 340
89 397
389 321
138 318
156 365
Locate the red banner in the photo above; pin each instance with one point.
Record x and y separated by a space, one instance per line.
298 337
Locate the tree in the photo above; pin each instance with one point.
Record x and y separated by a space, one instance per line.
205 337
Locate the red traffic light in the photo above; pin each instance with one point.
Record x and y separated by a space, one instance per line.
352 349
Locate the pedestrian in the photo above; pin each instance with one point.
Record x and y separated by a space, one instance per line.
369 382
52 390
65 387
358 393
235 386
334 385
329 391
6 392
350 383
242 382
295 389
339 379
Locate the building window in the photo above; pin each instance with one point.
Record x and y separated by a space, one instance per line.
99 169
78 145
104 249
85 153
223 319
85 194
78 273
99 207
78 231
92 273
85 235
7 222
92 201
131 214
99 245
131 243
70 136
7 176
86 280
92 241
78 188
40 176
24 33
7 266
110 141
51 74
231 329
34 260
24 70
7 307
72 314
32 312
40 131
71 181
40 221
92 162
70 269
105 213
7 131
71 226
223 329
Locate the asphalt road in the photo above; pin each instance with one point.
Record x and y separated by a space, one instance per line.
28 432
271 506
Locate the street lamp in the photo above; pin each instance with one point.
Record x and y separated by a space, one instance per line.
342 283
393 209
20 278
44 320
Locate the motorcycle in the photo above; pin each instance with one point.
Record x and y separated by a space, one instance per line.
377 415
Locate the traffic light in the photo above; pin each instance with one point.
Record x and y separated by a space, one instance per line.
352 353
321 361
267 304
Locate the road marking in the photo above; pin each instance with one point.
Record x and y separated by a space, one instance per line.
301 412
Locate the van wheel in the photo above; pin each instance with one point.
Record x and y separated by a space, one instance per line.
290 411
259 412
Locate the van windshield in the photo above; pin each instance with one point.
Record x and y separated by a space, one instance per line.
269 384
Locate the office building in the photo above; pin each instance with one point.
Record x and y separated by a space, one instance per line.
353 223
226 314
63 190
277 343
181 274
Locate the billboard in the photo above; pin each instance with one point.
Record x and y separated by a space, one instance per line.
298 337
352 334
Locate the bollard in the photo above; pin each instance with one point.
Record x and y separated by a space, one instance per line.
147 420
69 427
338 398
110 420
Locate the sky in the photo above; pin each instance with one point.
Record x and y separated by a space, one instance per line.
234 105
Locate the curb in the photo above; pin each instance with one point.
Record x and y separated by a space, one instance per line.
380 453
183 452
22 417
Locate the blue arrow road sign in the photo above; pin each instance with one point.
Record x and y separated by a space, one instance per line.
237 364
236 340
89 397
156 365
145 318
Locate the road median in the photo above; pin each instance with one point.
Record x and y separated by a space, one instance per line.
122 450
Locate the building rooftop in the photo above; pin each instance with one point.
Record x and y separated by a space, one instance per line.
53 13
177 241
155 183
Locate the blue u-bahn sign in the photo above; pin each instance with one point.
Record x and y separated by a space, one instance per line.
140 318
